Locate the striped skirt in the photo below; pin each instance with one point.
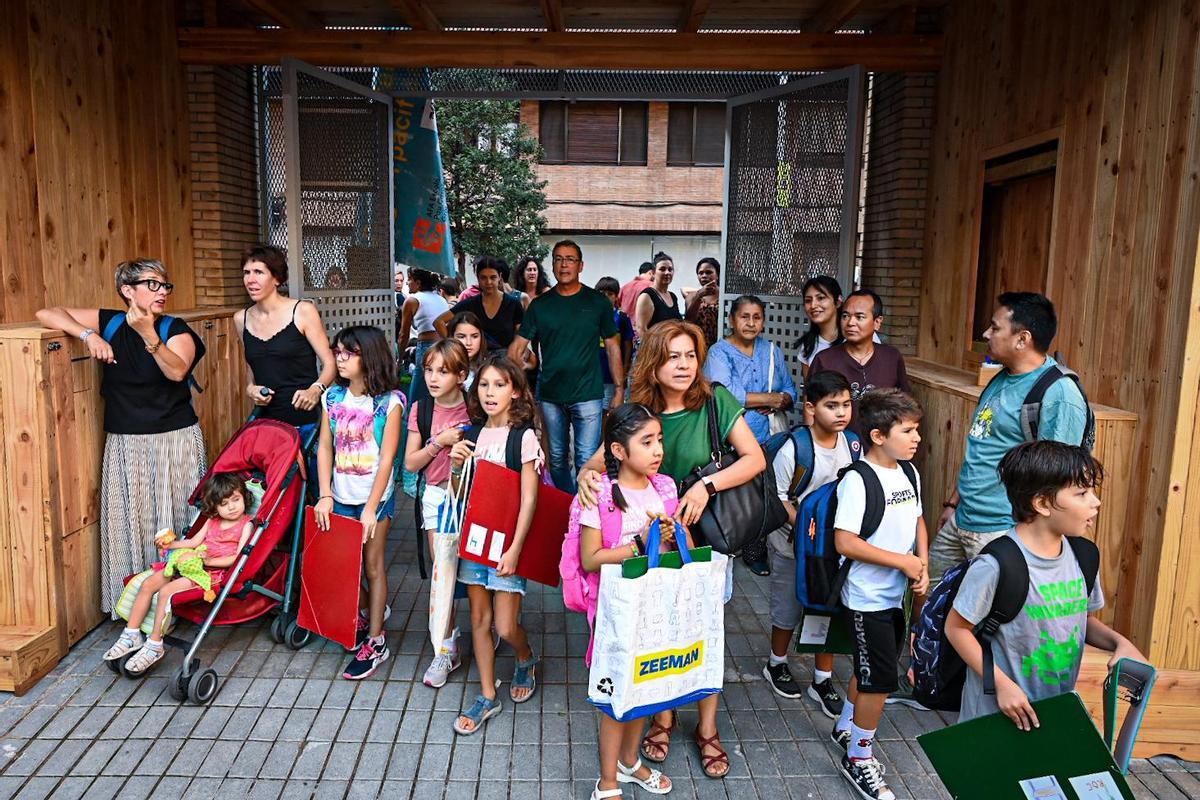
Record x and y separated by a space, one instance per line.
144 486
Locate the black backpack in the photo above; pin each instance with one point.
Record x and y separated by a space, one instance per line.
938 670
1031 406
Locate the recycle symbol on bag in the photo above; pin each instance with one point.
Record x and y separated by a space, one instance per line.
605 686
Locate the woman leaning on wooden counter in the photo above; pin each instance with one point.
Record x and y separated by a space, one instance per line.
153 448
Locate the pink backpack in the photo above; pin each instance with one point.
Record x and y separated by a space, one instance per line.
581 589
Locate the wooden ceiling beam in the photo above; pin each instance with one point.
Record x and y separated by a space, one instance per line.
692 15
502 49
418 15
552 11
831 16
285 14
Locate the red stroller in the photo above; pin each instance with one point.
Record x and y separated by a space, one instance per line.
262 578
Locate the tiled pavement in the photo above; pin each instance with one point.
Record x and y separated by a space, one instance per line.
285 725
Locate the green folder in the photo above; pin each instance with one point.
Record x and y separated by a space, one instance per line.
990 758
637 567
837 639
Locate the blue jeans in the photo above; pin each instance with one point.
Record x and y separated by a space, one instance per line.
584 420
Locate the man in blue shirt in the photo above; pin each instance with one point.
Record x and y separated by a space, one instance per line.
1022 328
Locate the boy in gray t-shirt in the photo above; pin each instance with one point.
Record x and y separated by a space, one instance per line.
1037 655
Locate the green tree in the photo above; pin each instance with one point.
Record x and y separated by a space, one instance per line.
493 195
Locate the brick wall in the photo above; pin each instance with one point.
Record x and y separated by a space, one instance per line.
652 199
894 206
225 218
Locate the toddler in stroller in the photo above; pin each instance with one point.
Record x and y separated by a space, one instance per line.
199 560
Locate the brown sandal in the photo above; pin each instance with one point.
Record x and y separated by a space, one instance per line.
706 762
651 739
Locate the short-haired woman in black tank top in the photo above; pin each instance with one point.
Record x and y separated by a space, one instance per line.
657 303
284 339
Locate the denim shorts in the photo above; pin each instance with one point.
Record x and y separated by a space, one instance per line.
475 574
387 509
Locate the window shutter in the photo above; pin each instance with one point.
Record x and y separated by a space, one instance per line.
552 131
679 134
709 147
592 136
633 133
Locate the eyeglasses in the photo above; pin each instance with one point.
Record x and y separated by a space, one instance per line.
153 285
340 354
570 260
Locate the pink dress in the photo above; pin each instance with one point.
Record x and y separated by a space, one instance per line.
219 544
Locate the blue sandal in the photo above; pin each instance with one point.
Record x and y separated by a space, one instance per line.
523 678
480 712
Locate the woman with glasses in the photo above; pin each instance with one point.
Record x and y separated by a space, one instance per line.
284 339
153 448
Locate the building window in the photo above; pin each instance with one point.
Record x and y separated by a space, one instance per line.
593 133
696 135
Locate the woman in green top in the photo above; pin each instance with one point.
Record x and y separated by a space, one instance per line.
667 379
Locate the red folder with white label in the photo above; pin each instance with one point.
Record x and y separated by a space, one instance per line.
491 518
329 578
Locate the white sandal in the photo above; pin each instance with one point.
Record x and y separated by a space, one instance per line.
652 784
144 660
604 794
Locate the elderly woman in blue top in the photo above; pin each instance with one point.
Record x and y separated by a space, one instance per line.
742 363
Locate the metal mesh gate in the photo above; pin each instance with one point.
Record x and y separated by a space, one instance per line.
793 157
336 204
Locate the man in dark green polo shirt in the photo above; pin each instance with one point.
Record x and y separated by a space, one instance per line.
566 323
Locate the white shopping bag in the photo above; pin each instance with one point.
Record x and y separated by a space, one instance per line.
659 638
445 559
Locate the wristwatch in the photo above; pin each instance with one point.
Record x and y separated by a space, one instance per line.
86 332
708 484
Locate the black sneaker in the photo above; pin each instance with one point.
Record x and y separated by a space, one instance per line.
367 659
827 698
840 738
760 567
781 680
866 776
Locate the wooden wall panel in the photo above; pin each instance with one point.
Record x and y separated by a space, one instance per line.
1119 81
93 151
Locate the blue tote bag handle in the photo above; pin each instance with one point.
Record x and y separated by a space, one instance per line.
654 543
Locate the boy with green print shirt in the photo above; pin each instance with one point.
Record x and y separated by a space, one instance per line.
1051 487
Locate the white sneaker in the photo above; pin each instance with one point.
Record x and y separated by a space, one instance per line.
445 662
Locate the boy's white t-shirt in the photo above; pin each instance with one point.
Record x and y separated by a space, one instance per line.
827 462
871 587
633 518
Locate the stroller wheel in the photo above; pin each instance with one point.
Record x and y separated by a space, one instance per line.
117 665
203 686
278 628
178 686
297 637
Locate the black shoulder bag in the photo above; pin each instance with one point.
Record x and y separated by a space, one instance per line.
739 515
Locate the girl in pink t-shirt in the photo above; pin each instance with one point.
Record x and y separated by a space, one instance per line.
445 371
502 399
633 453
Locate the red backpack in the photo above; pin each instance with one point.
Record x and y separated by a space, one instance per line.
581 589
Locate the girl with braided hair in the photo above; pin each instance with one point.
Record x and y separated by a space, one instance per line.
611 532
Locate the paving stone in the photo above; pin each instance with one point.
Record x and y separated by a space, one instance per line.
31 757
126 759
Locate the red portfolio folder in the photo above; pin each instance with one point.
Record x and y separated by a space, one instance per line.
491 518
329 577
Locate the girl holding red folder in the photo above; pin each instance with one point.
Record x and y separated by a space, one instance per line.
501 398
356 468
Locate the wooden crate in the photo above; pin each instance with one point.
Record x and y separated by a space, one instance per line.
949 397
52 416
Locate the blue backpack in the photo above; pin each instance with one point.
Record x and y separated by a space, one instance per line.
938 670
820 571
164 333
